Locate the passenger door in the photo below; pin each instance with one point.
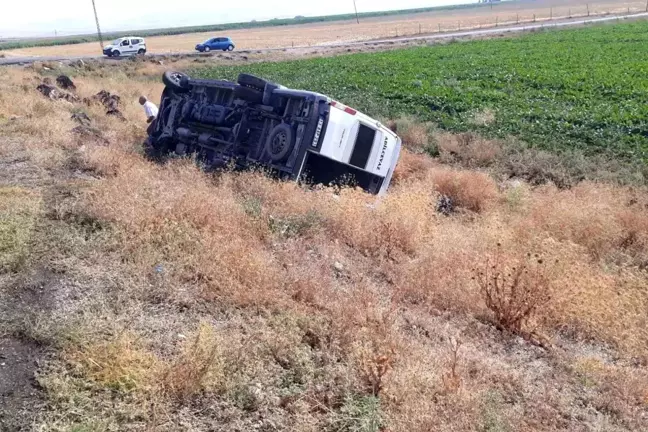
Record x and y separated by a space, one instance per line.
219 43
125 47
135 45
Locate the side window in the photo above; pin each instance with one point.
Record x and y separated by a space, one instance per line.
134 41
124 42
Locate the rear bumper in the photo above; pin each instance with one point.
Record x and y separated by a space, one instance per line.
392 167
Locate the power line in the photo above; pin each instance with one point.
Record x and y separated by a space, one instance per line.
97 21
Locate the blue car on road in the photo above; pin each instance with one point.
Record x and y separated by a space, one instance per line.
217 43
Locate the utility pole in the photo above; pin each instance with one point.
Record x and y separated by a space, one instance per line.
98 28
354 7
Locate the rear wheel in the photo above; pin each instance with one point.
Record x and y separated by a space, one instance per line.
141 51
176 80
230 48
280 142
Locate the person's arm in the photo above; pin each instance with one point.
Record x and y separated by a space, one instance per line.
150 119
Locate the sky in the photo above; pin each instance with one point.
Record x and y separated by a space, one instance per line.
28 18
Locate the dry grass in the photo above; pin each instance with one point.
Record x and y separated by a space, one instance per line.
200 367
468 149
250 302
19 209
121 364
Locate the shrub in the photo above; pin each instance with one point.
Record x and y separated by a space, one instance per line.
411 167
359 414
468 149
451 378
121 364
470 190
514 291
199 366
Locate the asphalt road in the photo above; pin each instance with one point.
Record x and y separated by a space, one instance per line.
435 36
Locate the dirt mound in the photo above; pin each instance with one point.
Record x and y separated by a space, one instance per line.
108 100
65 82
54 93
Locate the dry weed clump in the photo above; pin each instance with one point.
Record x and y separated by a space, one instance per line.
199 367
416 136
472 191
451 378
121 364
281 209
393 225
435 278
366 326
469 149
514 291
411 167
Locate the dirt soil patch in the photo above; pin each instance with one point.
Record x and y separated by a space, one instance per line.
19 391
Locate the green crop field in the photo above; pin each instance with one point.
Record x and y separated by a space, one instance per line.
583 89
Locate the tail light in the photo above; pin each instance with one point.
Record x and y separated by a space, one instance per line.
344 108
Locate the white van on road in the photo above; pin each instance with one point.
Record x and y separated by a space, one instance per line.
126 46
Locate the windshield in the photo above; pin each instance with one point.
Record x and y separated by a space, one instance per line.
116 42
207 41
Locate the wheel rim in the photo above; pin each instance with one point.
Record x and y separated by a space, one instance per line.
279 143
230 48
207 49
176 77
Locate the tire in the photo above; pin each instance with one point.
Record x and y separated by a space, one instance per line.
248 94
230 48
280 142
176 81
141 51
267 93
207 49
115 53
251 81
